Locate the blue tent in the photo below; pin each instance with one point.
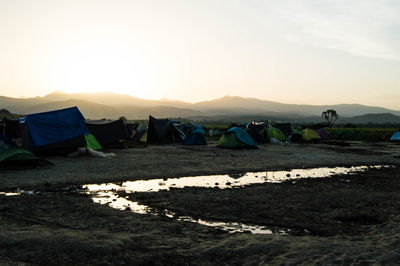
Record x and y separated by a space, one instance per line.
243 136
396 136
200 129
55 127
194 138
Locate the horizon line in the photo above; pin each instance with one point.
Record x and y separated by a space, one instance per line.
190 102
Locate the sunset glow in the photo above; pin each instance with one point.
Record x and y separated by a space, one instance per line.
287 51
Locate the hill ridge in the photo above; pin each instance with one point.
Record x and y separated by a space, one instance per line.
114 105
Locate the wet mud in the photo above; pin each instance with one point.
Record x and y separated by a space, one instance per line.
343 219
339 205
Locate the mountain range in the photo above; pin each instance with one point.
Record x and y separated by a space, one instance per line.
227 108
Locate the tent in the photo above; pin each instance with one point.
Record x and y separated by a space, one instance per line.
276 133
216 132
196 136
9 128
322 133
186 128
162 131
60 131
256 131
135 131
108 133
310 135
91 142
12 156
140 133
236 138
286 128
396 136
200 129
296 136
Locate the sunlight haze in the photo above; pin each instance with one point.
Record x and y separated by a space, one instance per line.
306 52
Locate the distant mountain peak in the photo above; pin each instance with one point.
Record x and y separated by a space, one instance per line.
55 93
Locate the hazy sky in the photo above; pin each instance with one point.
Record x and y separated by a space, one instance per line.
304 51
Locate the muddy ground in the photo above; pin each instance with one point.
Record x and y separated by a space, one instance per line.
352 219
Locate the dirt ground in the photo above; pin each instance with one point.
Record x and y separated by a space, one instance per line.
353 219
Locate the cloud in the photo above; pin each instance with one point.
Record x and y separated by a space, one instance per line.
368 28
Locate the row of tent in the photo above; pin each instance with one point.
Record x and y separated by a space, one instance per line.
64 131
236 136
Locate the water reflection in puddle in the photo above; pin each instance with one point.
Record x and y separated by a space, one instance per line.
108 193
228 181
117 202
8 194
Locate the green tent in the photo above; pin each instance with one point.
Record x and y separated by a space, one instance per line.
20 158
310 135
92 142
276 133
236 138
230 141
296 131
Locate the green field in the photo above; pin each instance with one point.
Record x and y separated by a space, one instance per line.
361 134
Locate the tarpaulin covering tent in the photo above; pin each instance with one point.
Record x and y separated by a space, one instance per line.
12 156
108 133
310 135
236 138
276 133
396 136
59 131
161 131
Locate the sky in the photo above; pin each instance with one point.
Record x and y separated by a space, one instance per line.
291 51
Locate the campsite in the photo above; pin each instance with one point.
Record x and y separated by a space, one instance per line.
207 132
49 216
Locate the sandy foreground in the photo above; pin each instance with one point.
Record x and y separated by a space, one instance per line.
352 219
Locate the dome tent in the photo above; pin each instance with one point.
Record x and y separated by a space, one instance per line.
396 136
236 138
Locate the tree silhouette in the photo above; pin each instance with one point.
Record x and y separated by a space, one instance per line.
330 116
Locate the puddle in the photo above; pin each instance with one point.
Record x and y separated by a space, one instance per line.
228 181
117 202
107 193
8 194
